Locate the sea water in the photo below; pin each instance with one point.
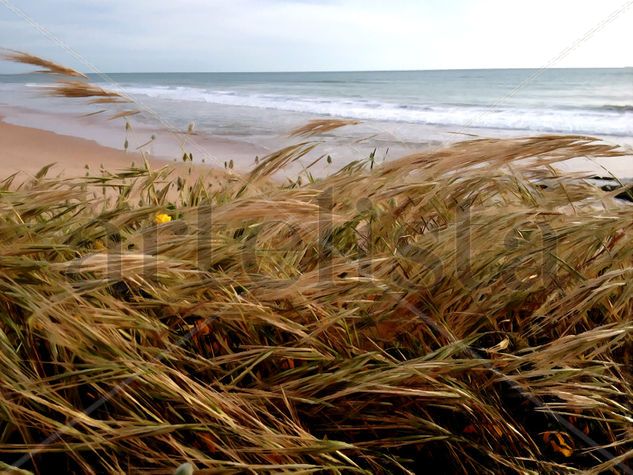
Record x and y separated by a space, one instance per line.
584 101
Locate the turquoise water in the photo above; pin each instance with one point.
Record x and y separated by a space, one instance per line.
592 101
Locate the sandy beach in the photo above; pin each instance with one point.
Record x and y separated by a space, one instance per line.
71 142
26 150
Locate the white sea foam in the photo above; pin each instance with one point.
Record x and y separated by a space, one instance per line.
587 101
604 119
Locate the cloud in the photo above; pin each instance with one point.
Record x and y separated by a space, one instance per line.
243 35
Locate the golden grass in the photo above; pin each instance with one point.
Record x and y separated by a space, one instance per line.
50 67
80 89
75 89
463 310
320 126
124 113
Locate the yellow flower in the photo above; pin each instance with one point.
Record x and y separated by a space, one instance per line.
162 218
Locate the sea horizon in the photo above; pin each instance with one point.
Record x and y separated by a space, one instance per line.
282 71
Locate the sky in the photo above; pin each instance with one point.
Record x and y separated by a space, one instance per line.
316 35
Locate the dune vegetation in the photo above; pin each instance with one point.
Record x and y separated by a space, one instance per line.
460 310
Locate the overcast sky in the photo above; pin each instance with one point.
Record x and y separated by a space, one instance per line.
305 35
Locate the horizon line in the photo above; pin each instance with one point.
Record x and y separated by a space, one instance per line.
289 71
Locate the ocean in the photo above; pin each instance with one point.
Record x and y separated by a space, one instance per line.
584 101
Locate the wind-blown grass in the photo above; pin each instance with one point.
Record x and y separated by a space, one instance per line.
79 89
319 126
463 310
49 67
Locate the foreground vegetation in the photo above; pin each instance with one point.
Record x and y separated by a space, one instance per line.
465 310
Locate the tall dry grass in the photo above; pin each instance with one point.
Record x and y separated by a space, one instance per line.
48 67
463 310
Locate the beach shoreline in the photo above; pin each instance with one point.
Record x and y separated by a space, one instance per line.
154 141
32 139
